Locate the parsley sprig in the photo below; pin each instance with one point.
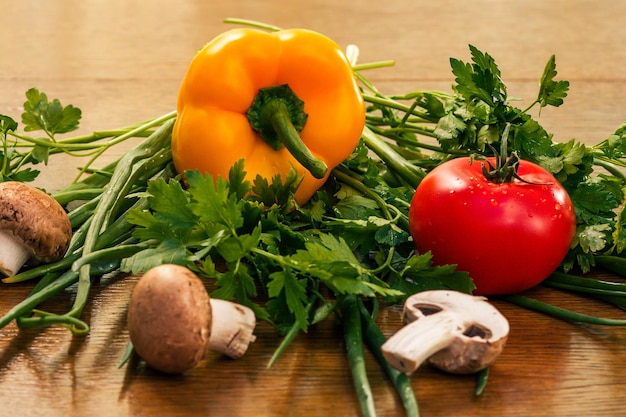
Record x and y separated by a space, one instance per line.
22 150
336 242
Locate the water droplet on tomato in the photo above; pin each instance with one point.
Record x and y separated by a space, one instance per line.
494 202
557 206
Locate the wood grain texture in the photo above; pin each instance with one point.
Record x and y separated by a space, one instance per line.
122 61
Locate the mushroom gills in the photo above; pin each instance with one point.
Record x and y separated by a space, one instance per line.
453 331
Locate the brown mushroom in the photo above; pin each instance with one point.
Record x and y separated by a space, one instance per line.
34 227
172 322
454 331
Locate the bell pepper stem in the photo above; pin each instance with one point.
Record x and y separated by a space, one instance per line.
291 139
277 114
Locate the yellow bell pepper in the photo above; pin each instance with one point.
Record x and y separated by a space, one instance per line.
275 99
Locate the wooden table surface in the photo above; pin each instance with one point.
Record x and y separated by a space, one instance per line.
121 61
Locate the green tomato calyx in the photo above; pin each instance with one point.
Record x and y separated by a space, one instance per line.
505 168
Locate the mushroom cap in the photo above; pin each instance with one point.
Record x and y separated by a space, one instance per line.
482 335
35 219
169 318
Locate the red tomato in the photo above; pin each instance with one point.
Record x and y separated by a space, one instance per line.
509 236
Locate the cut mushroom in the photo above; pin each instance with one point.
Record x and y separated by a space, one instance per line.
172 322
34 227
455 332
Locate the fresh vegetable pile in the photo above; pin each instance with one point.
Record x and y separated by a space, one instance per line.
297 246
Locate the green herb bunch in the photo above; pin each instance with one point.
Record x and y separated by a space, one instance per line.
345 250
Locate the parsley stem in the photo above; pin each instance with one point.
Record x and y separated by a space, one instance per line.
342 174
291 334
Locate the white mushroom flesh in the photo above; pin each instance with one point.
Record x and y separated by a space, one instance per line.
232 328
13 255
455 332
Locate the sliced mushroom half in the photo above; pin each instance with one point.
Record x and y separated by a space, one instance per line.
454 331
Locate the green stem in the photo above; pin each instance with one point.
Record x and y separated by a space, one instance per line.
129 167
615 264
40 294
277 114
42 318
111 253
291 334
353 335
252 23
291 139
392 104
344 176
65 197
159 121
41 270
610 167
586 285
558 312
583 289
26 305
392 159
481 381
373 65
374 339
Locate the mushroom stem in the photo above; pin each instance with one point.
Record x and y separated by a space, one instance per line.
457 332
414 343
13 254
232 328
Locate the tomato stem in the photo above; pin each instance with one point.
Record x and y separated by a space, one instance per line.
505 169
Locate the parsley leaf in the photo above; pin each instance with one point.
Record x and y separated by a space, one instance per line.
480 80
286 284
49 116
551 93
6 124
